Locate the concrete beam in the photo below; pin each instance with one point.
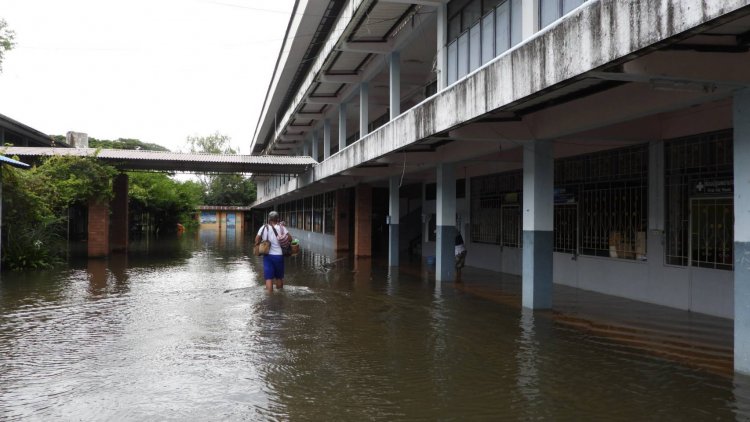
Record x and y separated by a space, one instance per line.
333 99
294 138
433 3
340 79
371 47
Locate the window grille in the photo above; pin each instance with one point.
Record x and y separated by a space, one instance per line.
490 221
510 216
699 179
566 228
601 203
307 212
318 213
330 209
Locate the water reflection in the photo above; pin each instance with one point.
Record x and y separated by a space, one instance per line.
183 329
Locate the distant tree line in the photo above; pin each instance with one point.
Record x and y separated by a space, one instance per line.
36 201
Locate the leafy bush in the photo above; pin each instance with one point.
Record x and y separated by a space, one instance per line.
35 204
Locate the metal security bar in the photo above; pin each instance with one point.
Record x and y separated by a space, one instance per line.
566 228
698 167
602 203
511 225
330 207
712 233
489 195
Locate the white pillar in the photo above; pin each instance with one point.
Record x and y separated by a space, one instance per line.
314 142
342 126
393 212
445 239
326 139
538 207
442 37
364 108
530 18
741 117
395 84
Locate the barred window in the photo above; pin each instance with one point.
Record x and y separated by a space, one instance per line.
330 209
318 213
307 213
601 203
699 178
495 209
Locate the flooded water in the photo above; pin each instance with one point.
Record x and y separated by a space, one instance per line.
183 330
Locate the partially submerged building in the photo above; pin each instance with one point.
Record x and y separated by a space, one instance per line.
601 144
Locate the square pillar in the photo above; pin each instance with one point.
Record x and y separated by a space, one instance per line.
342 126
741 116
326 139
393 213
529 18
119 226
363 221
341 230
305 149
314 145
442 37
538 206
98 229
445 239
395 84
364 110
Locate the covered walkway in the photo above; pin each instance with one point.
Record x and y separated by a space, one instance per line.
125 159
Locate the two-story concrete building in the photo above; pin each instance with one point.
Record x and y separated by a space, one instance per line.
601 144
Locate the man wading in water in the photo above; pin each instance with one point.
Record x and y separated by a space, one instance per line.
273 263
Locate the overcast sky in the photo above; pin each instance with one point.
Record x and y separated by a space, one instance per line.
155 70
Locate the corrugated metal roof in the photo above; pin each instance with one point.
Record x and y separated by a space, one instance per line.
178 161
12 162
224 208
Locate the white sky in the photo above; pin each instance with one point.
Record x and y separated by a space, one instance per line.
154 70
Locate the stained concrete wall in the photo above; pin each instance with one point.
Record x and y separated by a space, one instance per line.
605 32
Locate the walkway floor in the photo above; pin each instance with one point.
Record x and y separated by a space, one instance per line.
696 340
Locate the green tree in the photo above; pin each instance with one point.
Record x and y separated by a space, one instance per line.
7 37
216 143
119 143
166 200
230 189
35 204
222 189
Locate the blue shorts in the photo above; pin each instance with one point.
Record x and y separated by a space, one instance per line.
273 266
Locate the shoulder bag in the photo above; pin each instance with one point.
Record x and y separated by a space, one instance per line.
264 246
284 241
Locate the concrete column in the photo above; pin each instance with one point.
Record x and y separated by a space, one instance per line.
98 229
395 84
119 226
538 203
442 36
445 239
326 138
654 246
341 231
363 221
741 116
314 143
342 126
393 212
305 148
364 108
529 18
1 207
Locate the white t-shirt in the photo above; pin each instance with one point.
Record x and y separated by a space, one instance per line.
271 237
